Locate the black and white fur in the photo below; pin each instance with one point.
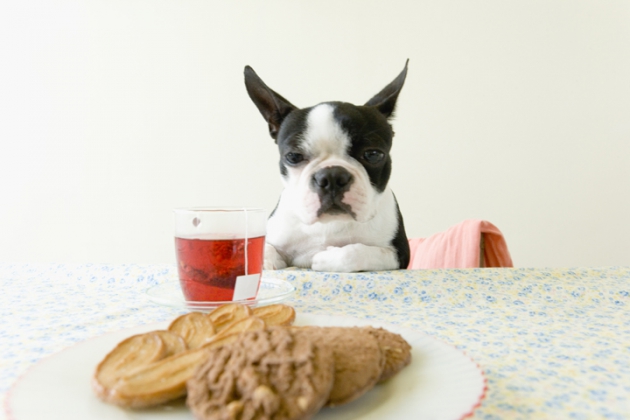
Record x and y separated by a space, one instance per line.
336 212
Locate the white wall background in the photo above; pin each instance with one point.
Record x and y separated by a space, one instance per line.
114 112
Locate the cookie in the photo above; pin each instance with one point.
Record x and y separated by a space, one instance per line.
225 315
271 374
194 327
165 380
358 360
396 350
130 356
276 314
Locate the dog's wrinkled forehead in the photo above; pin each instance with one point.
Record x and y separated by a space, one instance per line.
334 128
324 135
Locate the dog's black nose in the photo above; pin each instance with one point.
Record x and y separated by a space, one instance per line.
332 179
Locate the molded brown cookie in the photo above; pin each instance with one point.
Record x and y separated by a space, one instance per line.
396 350
270 374
358 360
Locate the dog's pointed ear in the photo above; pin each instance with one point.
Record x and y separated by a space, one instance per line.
273 107
385 100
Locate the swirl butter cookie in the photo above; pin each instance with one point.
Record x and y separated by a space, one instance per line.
271 374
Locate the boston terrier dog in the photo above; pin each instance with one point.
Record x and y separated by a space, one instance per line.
336 212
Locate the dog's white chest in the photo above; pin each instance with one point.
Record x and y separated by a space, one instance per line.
299 242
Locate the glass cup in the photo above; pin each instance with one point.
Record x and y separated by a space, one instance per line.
220 252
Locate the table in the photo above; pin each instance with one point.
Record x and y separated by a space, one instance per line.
553 343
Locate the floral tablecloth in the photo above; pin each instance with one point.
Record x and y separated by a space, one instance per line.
553 343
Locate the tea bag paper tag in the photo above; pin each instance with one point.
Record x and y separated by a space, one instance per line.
246 287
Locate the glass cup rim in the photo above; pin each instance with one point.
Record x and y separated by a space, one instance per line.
218 209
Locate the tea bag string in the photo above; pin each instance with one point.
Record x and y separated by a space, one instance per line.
246 240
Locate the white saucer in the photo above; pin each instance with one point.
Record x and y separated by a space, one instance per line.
170 294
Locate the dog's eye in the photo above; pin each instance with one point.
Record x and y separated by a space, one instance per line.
373 156
294 158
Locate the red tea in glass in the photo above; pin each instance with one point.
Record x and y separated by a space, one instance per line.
220 252
208 268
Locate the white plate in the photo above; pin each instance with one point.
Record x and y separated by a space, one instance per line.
441 383
170 294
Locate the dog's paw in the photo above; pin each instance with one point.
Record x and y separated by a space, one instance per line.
273 260
343 260
355 257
